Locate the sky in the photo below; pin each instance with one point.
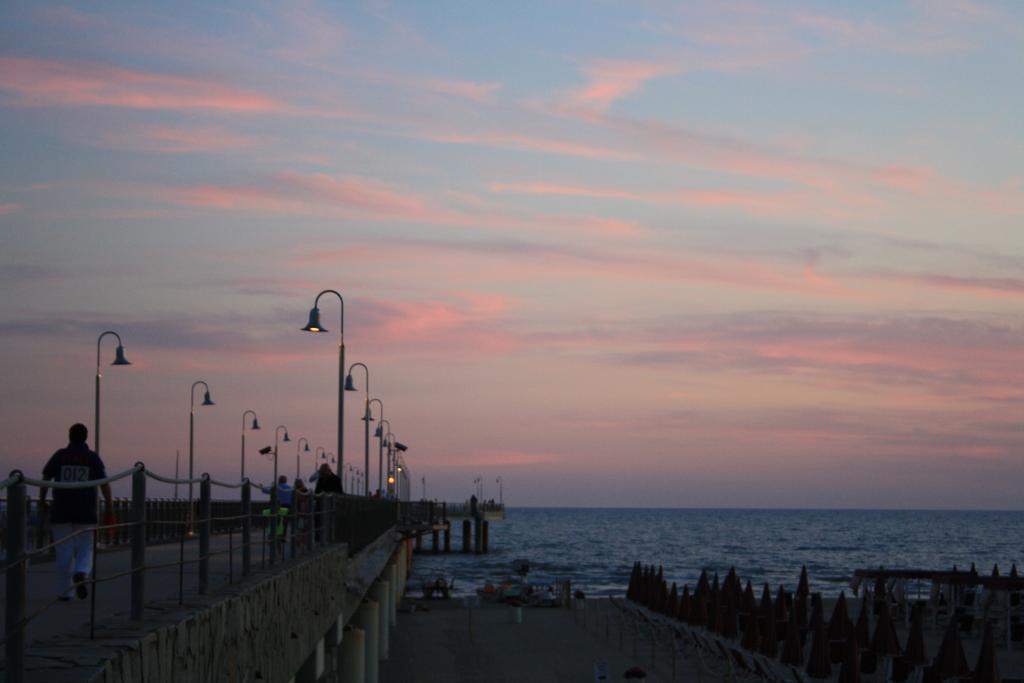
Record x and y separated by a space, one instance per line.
720 254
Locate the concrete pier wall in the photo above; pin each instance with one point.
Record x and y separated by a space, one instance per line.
276 628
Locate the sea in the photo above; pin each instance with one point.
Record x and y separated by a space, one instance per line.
595 548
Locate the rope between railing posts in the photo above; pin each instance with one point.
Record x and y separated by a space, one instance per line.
170 480
92 483
226 485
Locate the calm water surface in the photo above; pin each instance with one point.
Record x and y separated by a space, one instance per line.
596 548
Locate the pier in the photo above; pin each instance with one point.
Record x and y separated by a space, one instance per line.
214 591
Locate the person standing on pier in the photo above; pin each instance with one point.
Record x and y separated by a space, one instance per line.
326 482
74 510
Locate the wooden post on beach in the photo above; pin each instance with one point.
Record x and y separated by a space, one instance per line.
465 535
486 526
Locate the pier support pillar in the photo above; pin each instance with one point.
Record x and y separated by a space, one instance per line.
447 537
353 655
396 593
477 536
435 541
465 535
486 528
419 542
368 619
313 668
381 592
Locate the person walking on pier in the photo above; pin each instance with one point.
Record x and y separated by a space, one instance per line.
73 515
326 482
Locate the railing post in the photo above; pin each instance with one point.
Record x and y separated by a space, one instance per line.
15 596
246 527
272 526
204 534
138 541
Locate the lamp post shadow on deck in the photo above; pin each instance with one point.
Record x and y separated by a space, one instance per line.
119 359
313 325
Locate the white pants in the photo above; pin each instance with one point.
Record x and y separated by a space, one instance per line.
74 555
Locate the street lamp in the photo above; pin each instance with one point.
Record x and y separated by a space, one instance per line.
298 450
350 385
501 493
277 431
207 401
380 433
119 359
314 326
255 426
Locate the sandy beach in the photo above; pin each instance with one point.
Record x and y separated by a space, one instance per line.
447 644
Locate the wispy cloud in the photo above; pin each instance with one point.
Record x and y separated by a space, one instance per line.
610 80
47 83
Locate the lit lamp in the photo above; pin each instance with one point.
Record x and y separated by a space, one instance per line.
255 426
314 325
350 385
119 359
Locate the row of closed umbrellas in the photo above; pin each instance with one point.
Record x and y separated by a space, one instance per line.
731 610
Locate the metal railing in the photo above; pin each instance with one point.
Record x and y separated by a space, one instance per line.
138 522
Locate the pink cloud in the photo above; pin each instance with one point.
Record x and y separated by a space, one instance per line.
753 202
610 80
42 83
177 140
7 208
510 140
470 90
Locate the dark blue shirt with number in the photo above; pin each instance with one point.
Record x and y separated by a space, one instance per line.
74 463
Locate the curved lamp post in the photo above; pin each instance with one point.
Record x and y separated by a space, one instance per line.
119 359
350 385
314 326
379 433
298 451
207 401
501 493
277 433
255 426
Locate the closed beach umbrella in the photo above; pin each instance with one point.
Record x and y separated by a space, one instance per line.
849 671
730 616
751 634
714 624
703 585
634 579
769 641
987 669
1013 571
661 601
672 607
950 661
731 585
885 643
792 648
800 609
818 665
684 605
781 610
840 626
861 628
803 586
716 587
698 610
748 603
995 570
915 654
